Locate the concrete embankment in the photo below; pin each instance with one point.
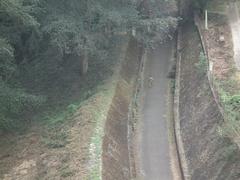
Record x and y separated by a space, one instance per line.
208 155
115 157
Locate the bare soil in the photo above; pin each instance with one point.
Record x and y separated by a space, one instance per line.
220 52
27 157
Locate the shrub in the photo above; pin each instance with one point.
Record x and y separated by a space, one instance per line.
15 106
7 66
231 126
202 64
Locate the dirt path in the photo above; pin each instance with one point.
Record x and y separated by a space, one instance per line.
154 144
234 20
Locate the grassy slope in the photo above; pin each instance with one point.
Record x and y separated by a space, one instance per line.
101 115
68 135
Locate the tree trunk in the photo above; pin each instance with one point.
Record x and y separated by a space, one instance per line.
84 64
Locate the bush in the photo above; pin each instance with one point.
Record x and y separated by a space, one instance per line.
42 44
7 66
200 4
202 64
152 32
231 126
15 106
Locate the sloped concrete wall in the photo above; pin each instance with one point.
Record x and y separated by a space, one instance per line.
115 157
208 155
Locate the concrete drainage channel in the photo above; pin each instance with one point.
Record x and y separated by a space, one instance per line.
116 150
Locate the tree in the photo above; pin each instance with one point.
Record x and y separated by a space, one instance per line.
153 27
7 66
200 4
41 38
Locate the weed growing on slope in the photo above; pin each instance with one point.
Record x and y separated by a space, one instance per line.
172 85
99 116
231 104
66 172
202 64
56 137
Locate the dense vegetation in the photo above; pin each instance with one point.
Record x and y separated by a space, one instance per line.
200 3
41 41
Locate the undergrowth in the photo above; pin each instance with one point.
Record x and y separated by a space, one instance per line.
202 64
56 135
16 106
231 105
56 116
99 116
228 86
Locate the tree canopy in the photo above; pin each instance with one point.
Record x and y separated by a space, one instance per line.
38 37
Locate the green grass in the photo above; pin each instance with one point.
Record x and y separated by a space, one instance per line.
99 115
231 104
66 172
59 117
56 139
172 85
55 135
